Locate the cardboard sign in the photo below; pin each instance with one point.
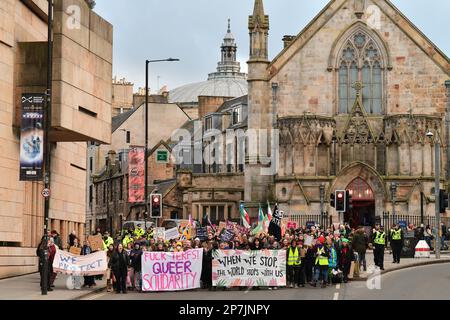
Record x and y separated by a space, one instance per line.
96 242
75 250
239 268
222 225
171 271
171 234
159 233
88 265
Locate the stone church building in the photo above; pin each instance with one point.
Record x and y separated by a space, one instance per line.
353 96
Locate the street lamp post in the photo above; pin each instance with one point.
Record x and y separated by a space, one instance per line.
437 173
147 62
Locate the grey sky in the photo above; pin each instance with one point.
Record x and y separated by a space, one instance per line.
192 30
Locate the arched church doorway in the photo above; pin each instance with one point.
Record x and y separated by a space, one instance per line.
363 202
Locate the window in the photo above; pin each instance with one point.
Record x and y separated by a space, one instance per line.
360 60
91 163
236 116
128 136
208 123
104 193
91 195
121 189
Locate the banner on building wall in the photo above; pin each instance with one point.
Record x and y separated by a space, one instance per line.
88 265
32 137
171 271
136 175
238 268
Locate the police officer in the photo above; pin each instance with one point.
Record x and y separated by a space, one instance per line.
293 264
396 239
379 240
139 232
126 240
107 240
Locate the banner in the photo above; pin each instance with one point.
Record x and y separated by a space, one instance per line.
171 271
291 225
32 137
88 265
238 268
136 174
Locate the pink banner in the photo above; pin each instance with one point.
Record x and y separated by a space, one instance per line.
136 174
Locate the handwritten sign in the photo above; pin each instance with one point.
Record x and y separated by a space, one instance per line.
75 250
159 233
171 271
171 234
308 240
222 225
310 224
239 268
88 265
96 242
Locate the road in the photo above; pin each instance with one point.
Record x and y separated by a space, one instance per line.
403 284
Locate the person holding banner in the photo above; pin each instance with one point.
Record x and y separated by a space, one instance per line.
293 264
119 265
40 251
136 256
321 264
89 281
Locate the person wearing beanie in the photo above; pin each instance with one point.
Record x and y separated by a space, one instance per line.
346 258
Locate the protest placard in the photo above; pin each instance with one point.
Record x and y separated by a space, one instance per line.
96 242
88 265
291 225
171 271
75 250
308 240
310 224
222 225
159 233
171 234
202 233
238 268
227 235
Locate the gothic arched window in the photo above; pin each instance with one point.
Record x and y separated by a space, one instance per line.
360 60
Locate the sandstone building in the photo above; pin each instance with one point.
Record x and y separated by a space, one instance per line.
81 112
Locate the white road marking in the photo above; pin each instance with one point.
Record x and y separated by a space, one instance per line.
95 296
336 296
338 286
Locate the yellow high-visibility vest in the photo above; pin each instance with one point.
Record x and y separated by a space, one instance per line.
293 258
396 234
380 238
323 261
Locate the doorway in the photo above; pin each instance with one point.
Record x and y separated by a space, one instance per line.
363 204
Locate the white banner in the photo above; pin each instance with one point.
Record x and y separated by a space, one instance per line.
238 268
171 271
172 234
88 265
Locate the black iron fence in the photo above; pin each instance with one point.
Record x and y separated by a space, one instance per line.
388 219
302 219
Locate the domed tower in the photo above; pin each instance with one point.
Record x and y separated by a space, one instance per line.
228 67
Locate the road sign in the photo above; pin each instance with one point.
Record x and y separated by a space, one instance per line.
162 156
46 193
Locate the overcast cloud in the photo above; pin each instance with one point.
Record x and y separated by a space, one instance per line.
192 30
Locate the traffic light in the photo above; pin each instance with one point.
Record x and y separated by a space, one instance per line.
443 201
340 200
156 206
348 201
332 200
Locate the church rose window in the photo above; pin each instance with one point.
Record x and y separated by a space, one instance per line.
360 60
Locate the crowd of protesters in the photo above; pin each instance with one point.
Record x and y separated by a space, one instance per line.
326 259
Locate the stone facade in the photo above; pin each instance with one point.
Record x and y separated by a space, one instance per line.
333 132
122 96
23 63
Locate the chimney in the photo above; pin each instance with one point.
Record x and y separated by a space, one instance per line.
287 40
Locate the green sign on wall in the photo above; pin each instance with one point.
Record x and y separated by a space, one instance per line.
162 156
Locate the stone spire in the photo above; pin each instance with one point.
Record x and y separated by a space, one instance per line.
258 25
228 67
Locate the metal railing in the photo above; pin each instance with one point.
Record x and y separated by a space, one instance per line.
388 219
323 219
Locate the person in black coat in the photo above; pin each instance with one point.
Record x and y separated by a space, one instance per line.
135 257
89 281
119 265
346 258
206 275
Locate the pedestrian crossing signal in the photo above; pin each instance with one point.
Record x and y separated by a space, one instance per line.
443 201
156 206
332 200
340 198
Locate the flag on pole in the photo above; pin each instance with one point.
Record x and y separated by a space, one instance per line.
269 212
244 216
275 224
266 223
190 220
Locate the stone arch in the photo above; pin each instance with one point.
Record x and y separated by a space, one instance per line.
345 35
369 175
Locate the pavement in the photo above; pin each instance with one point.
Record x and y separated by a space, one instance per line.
27 288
